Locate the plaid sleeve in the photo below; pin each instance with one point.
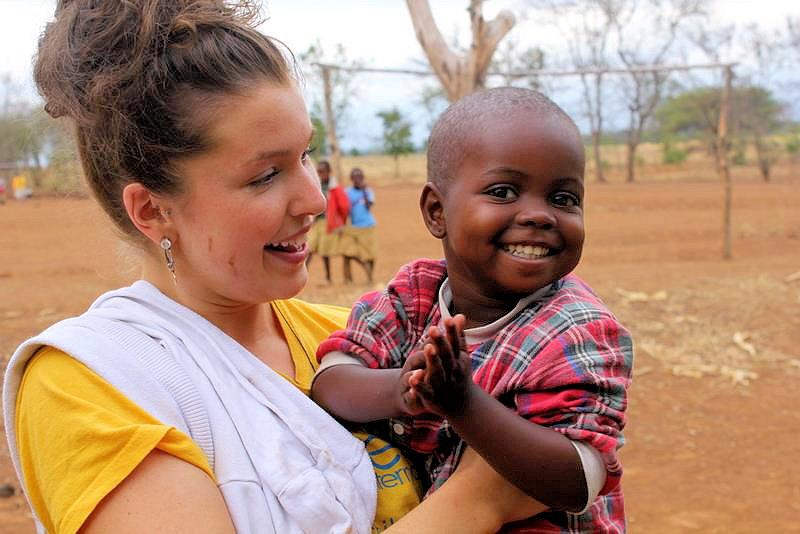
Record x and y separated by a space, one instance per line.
578 385
384 326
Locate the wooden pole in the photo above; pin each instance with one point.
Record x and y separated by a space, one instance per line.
722 158
335 155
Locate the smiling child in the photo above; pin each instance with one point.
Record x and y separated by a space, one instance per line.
499 347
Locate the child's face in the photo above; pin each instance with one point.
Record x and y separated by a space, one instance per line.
323 173
357 177
513 212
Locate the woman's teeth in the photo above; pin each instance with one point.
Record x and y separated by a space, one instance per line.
288 246
529 252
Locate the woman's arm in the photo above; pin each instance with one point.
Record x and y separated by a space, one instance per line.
475 499
163 494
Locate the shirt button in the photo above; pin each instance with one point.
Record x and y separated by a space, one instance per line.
398 429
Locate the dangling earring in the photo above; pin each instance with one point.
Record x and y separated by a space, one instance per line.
166 246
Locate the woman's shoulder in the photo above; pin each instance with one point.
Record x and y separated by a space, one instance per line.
68 415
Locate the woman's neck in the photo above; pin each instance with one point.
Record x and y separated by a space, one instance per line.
249 324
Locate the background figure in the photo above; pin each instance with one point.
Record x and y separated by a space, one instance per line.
326 234
19 185
358 241
2 190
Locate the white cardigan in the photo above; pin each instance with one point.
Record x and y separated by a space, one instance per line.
282 463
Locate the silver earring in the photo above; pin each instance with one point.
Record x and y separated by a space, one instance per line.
166 246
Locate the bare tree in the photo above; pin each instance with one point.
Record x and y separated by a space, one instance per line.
460 75
716 43
793 33
337 93
645 89
510 60
588 48
588 30
758 110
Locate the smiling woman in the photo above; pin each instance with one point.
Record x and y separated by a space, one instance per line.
194 138
180 403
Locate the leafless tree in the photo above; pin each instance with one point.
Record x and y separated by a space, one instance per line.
588 48
716 44
658 25
510 60
760 114
793 33
338 90
460 75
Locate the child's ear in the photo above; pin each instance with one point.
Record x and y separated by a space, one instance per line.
430 203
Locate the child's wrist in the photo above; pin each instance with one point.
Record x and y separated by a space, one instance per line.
471 394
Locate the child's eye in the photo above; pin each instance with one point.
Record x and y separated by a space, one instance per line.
564 198
505 192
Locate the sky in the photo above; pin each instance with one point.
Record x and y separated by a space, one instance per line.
377 33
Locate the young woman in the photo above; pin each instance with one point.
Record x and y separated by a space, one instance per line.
179 404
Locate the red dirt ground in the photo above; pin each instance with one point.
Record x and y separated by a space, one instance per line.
712 437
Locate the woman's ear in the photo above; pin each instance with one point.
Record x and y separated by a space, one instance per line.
430 203
147 212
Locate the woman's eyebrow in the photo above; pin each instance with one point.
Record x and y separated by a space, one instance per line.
270 154
277 153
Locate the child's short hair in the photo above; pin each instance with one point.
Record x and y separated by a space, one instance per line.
445 145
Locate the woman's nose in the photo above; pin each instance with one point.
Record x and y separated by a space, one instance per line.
309 199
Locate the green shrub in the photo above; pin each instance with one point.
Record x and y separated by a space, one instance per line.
673 154
793 144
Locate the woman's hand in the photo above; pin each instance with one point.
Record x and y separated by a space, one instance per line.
475 499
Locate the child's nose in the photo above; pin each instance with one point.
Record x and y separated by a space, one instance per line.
537 213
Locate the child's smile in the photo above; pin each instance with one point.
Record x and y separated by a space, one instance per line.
513 212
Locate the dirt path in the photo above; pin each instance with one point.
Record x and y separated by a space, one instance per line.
712 434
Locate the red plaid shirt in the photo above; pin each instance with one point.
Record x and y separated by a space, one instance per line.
563 362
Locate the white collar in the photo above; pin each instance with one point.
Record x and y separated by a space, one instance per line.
479 334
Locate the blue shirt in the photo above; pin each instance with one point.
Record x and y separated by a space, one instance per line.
360 216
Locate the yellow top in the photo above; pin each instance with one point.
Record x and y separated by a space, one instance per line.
79 437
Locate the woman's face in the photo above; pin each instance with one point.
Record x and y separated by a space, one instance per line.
248 202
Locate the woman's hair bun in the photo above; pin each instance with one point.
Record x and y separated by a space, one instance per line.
136 76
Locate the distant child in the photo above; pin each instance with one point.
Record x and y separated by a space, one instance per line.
325 236
358 240
499 347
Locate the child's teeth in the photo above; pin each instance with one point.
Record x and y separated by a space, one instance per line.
527 251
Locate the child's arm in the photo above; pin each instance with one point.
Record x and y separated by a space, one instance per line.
540 461
357 393
475 499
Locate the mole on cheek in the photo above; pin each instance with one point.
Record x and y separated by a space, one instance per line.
232 263
210 243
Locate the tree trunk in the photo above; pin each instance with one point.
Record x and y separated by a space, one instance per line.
335 155
762 155
598 131
630 163
459 75
723 165
632 143
598 160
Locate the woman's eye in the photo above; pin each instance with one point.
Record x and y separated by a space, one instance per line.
503 192
307 153
266 179
564 198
